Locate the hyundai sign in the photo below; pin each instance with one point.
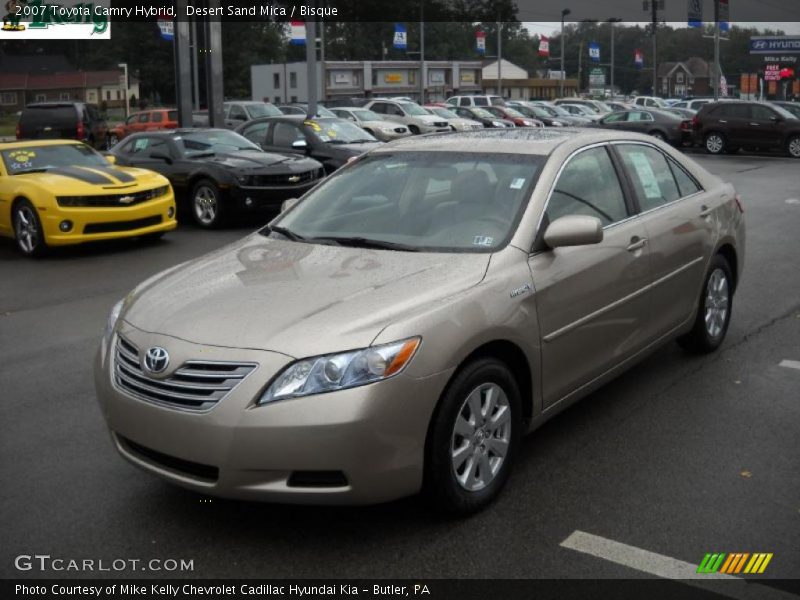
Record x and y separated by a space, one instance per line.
783 44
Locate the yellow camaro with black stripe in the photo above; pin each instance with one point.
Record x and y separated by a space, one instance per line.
60 192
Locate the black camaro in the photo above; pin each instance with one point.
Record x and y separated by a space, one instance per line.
216 172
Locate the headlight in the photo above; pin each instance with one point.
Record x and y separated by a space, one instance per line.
112 321
498 124
385 129
243 179
333 372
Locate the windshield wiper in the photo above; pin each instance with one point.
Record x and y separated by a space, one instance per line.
361 141
26 171
360 242
288 233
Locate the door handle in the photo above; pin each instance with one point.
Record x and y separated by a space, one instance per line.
754 124
636 244
705 211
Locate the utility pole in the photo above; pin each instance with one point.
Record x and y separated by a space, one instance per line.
322 59
422 73
499 59
654 32
716 51
311 64
580 70
564 13
612 21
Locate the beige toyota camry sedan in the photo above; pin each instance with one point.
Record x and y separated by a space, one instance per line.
403 325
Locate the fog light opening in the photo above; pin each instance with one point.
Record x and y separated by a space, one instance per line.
170 212
248 202
65 225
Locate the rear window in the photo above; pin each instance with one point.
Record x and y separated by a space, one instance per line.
50 115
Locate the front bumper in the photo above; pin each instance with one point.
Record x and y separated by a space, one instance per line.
433 129
95 224
255 198
374 435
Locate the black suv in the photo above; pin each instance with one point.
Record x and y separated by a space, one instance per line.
727 126
63 120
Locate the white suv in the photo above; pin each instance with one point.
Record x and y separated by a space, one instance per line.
471 101
649 102
411 114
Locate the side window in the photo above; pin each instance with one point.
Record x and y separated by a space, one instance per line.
128 147
237 113
589 186
481 102
158 145
256 133
140 146
144 118
463 101
391 109
651 175
615 118
760 113
157 117
686 183
285 134
131 120
639 116
379 107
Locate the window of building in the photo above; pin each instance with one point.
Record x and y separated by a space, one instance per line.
277 99
63 96
294 99
119 95
293 80
374 77
412 77
108 94
41 97
276 81
8 98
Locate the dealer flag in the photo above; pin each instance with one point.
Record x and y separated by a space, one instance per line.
298 33
544 46
480 41
724 13
695 13
400 36
638 58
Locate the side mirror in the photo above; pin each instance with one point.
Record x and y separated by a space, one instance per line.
161 156
299 144
289 203
574 230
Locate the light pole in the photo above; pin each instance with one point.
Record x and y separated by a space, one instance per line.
564 13
611 21
127 103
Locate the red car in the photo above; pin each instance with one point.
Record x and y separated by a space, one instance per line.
156 118
509 114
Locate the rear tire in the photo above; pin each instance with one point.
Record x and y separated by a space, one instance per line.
714 142
28 231
713 311
473 438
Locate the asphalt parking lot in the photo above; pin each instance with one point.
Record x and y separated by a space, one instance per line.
680 456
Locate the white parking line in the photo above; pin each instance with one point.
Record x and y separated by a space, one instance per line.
793 201
790 364
671 568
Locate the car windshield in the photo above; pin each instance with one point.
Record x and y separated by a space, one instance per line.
367 115
418 201
32 159
444 113
556 111
513 113
483 113
337 131
211 142
603 106
262 109
413 109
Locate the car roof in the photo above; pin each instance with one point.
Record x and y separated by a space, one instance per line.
539 141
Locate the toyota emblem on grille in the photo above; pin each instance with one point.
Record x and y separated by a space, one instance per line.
156 359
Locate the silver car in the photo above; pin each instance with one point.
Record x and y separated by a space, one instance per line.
405 323
384 130
456 123
412 115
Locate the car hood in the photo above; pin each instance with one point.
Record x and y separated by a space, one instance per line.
429 119
296 298
385 124
254 160
76 181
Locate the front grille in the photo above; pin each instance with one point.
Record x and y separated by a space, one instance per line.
206 473
112 200
197 385
282 180
400 130
440 124
122 225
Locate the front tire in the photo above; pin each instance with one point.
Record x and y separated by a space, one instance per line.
793 146
473 438
713 311
28 231
714 143
207 204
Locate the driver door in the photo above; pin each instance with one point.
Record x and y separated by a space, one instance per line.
591 300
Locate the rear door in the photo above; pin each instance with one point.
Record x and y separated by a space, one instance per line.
156 120
591 300
639 120
678 224
52 121
766 126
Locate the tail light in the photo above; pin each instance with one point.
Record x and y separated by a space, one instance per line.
686 125
81 130
695 123
739 205
19 132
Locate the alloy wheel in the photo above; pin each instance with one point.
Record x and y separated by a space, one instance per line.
717 301
714 143
205 205
481 437
794 147
26 230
